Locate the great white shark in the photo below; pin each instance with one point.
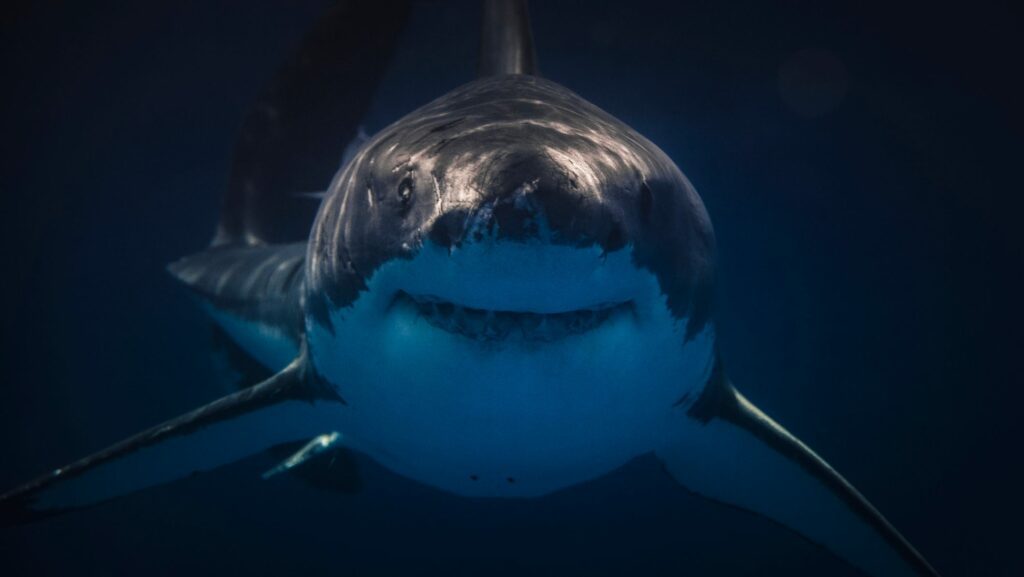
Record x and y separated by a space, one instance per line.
505 293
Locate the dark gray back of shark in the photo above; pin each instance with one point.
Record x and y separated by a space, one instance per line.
293 136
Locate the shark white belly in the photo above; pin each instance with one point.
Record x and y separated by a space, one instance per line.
519 415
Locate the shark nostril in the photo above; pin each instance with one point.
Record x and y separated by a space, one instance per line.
449 228
615 239
646 200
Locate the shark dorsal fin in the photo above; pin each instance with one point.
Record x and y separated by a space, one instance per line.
291 138
506 44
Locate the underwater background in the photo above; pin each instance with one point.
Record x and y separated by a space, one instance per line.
861 165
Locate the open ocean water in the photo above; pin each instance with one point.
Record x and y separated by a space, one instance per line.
860 165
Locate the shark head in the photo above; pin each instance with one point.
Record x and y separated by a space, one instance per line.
503 278
512 160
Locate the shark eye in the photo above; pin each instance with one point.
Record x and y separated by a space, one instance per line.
405 190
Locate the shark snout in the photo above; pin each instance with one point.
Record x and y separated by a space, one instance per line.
532 198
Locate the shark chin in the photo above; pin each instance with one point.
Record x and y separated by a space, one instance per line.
532 388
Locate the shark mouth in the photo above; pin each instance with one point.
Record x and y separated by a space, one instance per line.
494 325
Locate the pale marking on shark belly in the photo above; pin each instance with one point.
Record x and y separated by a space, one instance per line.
510 417
270 346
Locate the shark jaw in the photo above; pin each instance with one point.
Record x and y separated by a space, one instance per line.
493 326
509 369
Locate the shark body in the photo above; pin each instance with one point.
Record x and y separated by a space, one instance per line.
503 294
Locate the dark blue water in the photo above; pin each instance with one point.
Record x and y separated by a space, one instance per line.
868 296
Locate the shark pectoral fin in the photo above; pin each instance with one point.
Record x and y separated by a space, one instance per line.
729 451
282 408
